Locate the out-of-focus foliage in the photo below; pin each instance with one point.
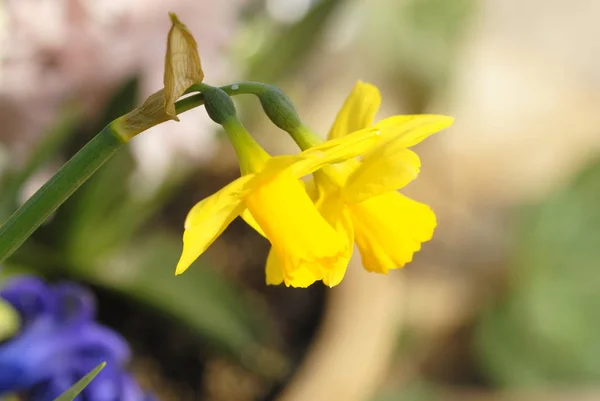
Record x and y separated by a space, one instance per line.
286 48
545 330
414 42
17 173
419 391
424 37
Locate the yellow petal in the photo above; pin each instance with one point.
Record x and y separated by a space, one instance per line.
407 131
311 190
330 152
182 64
273 269
389 229
302 277
299 234
207 220
331 206
384 170
358 112
389 165
275 274
248 218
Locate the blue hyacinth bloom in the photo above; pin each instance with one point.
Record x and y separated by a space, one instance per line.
59 342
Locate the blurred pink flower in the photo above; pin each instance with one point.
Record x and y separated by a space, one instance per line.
55 50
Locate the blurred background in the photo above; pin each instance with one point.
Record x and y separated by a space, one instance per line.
502 305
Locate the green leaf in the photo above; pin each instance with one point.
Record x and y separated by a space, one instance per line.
78 387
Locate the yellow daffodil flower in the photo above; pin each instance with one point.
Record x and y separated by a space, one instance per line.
358 197
270 195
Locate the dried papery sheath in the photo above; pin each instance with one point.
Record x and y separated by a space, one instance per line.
149 114
182 65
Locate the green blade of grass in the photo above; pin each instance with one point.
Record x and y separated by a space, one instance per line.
78 387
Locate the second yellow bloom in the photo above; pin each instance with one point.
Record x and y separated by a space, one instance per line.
359 198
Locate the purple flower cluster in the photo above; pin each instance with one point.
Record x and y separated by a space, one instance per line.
59 342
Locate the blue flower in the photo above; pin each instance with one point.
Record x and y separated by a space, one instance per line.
59 343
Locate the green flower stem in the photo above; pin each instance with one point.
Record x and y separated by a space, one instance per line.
240 88
278 107
21 224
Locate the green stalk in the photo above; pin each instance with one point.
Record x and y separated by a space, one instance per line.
240 88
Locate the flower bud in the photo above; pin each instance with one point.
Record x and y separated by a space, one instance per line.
280 109
218 105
